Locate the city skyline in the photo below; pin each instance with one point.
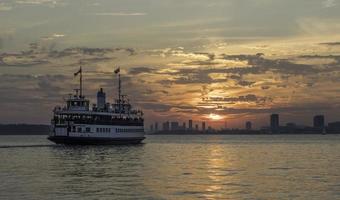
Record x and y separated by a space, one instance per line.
274 123
215 61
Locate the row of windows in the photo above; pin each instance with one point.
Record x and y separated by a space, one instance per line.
123 130
106 130
103 130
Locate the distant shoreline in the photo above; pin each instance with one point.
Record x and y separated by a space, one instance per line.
245 134
24 129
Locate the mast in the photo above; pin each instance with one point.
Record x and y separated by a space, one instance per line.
119 92
81 82
117 71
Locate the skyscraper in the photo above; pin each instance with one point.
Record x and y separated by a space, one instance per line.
156 126
203 126
319 121
166 126
248 125
274 122
174 126
190 125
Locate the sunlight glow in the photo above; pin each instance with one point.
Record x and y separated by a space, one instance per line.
215 116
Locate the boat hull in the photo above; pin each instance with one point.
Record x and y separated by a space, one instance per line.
94 140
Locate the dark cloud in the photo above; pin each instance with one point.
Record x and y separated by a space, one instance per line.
20 60
265 87
291 109
331 43
259 64
246 98
329 67
245 83
29 89
141 70
158 107
39 54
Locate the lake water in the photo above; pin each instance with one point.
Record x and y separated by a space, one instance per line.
173 167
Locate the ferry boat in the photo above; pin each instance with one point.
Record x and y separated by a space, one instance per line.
103 123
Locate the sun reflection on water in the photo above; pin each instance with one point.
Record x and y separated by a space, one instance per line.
215 165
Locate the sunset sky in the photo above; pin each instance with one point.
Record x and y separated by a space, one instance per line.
239 60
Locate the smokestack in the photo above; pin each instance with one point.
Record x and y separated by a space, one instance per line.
101 99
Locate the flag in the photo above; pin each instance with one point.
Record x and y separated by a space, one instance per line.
117 70
75 74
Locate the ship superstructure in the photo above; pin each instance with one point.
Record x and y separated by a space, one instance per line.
102 123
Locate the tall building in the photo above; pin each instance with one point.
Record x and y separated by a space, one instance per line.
156 126
196 127
274 122
166 126
101 99
184 126
203 126
174 126
190 125
319 121
248 125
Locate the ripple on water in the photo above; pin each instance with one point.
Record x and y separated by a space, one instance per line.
189 167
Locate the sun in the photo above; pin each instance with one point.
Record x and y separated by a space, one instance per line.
213 116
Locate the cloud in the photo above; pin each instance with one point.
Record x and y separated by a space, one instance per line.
140 70
5 7
120 14
329 3
246 98
45 53
53 36
51 3
19 60
331 43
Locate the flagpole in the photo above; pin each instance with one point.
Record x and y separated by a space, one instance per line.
119 92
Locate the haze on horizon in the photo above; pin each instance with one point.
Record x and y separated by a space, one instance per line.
237 59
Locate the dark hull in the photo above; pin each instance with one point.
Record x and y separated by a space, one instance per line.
94 141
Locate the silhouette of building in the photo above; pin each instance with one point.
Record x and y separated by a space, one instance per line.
166 126
174 126
248 125
190 125
196 127
156 126
274 122
203 126
319 121
184 126
101 99
334 127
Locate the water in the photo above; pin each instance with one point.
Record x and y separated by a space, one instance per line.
173 167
